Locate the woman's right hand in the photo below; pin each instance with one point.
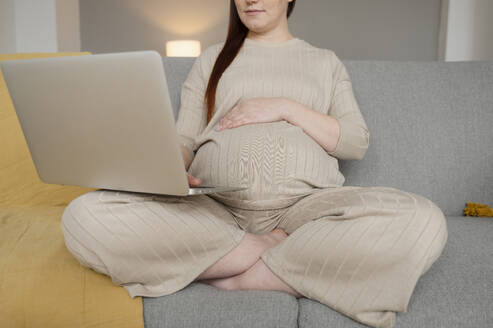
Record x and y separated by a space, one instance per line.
193 181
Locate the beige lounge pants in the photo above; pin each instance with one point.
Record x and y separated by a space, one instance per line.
359 250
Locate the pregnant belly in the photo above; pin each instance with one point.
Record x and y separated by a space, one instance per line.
275 160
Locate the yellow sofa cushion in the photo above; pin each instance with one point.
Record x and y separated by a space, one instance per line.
41 283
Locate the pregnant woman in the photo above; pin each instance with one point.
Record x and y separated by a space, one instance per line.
271 112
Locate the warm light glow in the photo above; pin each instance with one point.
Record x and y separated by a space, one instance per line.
181 19
183 48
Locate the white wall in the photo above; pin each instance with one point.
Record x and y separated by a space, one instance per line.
354 29
467 30
7 30
39 26
35 26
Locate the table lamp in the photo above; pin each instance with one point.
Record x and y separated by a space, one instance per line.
183 48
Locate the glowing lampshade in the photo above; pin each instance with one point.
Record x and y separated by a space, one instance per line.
183 48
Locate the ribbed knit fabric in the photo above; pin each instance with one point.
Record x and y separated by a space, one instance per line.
277 160
358 250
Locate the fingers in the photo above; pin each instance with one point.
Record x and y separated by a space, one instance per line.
223 124
193 181
228 124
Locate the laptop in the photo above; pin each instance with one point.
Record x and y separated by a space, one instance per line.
101 121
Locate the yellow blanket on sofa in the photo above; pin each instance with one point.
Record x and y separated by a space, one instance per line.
41 283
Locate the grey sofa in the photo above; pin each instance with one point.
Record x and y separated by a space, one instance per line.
431 133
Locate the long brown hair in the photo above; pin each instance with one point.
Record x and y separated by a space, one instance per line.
237 32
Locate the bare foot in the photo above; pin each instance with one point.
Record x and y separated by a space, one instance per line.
242 257
258 276
269 239
274 237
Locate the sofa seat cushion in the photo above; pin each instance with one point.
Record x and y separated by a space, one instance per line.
202 305
457 291
43 285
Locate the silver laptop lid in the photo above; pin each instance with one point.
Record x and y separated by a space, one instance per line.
100 121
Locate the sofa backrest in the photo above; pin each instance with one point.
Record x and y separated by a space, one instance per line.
430 122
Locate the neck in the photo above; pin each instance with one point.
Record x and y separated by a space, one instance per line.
279 35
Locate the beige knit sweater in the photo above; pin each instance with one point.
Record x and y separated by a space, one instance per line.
278 161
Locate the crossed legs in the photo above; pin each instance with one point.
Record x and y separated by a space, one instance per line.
155 245
359 250
243 269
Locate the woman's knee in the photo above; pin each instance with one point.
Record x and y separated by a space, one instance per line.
430 219
78 226
406 200
427 209
425 223
424 212
437 226
89 210
78 211
86 257
435 234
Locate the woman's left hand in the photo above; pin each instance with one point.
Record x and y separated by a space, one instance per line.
253 110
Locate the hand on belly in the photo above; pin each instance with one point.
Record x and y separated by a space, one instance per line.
273 159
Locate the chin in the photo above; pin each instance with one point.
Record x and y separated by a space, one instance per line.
253 23
255 28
